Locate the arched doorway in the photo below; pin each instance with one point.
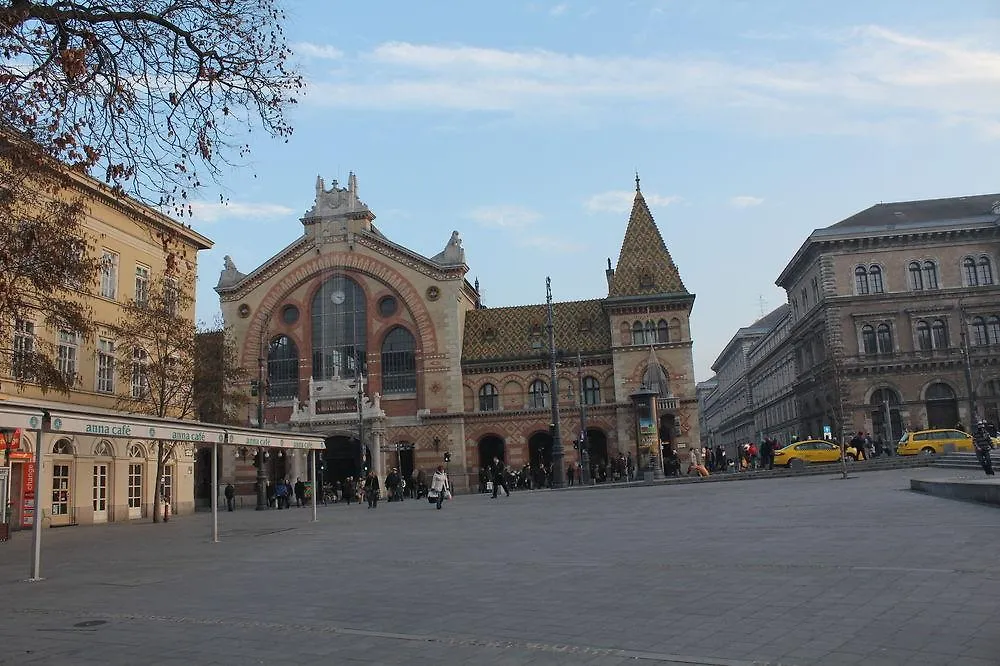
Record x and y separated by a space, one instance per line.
942 406
540 449
597 446
342 458
885 403
490 447
404 459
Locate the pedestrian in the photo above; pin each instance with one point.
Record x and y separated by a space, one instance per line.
983 444
349 490
300 492
570 473
440 486
372 489
230 494
498 472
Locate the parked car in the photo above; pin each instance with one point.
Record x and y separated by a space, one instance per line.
809 451
934 442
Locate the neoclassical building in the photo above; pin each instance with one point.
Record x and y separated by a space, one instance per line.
393 358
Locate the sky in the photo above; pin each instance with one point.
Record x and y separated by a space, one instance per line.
521 125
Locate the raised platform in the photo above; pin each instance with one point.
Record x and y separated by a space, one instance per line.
985 490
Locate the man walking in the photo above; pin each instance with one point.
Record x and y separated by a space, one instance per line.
982 442
499 474
230 493
300 492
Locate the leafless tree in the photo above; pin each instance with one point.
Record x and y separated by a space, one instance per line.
220 383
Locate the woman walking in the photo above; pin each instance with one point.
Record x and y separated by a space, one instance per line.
440 485
372 490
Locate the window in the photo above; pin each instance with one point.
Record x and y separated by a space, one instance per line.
980 334
985 271
993 330
289 314
638 336
939 331
104 450
875 279
140 374
538 394
66 355
868 344
861 280
24 348
884 339
339 331
60 490
282 369
109 274
971 276
141 284
916 279
105 366
815 288
489 398
650 332
135 490
930 275
591 391
923 335
171 295
399 364
662 331
805 298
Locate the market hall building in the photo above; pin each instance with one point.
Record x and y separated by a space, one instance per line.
344 323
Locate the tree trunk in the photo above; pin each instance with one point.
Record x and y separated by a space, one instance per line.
160 468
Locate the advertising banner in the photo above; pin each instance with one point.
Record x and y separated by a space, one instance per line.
28 487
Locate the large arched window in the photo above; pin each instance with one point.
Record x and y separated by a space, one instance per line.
930 275
650 332
923 335
985 271
338 329
489 398
538 394
868 343
916 277
399 365
638 334
884 339
662 331
861 280
971 276
980 334
939 332
875 279
282 369
591 391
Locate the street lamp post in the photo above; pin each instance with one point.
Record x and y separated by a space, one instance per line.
261 388
584 437
558 472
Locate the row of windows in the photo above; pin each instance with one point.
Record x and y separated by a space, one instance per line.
68 357
930 334
923 275
109 278
538 394
650 332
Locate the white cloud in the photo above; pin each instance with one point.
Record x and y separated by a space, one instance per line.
745 201
860 81
559 10
620 201
551 244
318 51
204 211
505 216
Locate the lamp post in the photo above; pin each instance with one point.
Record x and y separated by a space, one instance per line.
261 389
584 437
969 385
558 472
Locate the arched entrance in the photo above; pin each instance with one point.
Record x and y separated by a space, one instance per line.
885 403
540 449
942 406
342 458
597 446
404 460
491 446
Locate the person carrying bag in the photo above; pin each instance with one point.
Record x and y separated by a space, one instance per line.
440 487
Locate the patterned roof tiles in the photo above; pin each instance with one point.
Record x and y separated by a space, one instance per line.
644 264
520 332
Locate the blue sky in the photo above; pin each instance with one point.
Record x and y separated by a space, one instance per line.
520 124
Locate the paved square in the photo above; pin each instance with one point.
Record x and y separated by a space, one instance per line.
809 570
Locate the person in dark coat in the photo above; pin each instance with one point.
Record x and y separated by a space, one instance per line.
300 492
499 473
230 493
983 444
348 490
372 489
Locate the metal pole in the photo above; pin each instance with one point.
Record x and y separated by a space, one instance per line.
584 439
36 521
261 476
968 376
315 481
215 492
558 472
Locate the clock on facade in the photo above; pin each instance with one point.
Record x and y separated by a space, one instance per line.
338 297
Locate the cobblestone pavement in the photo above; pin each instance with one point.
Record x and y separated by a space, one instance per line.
812 570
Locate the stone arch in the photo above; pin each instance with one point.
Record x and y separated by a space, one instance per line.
63 447
104 449
326 265
491 444
136 450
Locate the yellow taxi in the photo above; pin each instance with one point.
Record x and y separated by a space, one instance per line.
809 451
933 442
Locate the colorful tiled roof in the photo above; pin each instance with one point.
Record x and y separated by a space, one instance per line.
644 264
520 332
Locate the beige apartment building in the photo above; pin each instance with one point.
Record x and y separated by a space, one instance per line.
97 478
394 359
892 324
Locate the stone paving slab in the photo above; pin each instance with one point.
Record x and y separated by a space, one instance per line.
810 570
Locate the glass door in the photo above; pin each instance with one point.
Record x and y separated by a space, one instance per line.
100 497
134 491
60 494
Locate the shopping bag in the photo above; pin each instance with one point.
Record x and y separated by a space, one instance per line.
489 486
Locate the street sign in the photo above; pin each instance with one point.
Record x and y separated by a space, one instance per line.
827 432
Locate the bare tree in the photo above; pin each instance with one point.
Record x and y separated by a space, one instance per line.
46 266
145 94
156 337
220 383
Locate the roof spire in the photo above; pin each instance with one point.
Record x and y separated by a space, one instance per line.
636 180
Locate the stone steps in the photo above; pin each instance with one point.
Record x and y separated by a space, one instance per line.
956 461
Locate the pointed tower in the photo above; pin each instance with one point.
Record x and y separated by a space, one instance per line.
649 310
644 263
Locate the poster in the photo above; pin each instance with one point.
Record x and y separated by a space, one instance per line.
11 440
4 490
28 494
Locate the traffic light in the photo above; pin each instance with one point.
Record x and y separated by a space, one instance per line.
447 456
254 387
552 430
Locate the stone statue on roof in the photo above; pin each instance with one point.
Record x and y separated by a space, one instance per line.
336 200
453 252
